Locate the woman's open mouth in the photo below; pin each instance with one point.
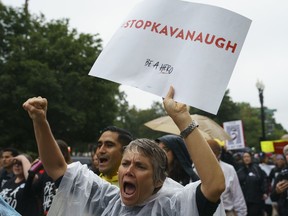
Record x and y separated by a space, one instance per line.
129 189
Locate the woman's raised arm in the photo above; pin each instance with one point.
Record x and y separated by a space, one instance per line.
208 168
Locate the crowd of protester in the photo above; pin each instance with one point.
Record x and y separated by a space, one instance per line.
140 186
25 185
257 176
31 192
264 180
256 184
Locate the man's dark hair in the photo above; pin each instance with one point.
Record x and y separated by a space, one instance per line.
13 151
124 136
64 150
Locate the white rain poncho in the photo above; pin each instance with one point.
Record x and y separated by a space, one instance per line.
6 209
83 193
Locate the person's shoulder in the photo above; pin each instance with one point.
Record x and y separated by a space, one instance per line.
227 165
169 187
241 169
12 184
3 173
1 170
257 166
227 168
170 183
172 189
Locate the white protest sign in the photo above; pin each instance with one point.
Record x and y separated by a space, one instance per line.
192 46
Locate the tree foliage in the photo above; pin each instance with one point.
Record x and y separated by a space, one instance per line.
41 58
135 120
251 124
228 111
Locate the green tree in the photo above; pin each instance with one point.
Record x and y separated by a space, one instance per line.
251 125
136 118
251 119
228 111
50 59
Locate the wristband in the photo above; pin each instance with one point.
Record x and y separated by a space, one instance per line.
189 129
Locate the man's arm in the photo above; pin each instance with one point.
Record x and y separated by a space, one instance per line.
49 151
208 168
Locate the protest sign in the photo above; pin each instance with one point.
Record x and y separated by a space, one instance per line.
192 46
235 130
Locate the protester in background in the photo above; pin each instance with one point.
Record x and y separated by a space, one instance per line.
266 166
227 157
232 197
254 185
144 188
179 161
44 185
18 192
238 158
6 174
95 164
64 150
280 188
109 152
280 163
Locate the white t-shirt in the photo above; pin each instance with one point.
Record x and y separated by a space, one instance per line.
233 198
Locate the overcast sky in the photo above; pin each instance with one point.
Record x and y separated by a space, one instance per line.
264 55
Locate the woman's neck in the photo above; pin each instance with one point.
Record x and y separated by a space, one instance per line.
19 179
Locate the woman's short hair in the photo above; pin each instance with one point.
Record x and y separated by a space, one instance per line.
154 153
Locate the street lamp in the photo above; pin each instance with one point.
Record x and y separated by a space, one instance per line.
260 86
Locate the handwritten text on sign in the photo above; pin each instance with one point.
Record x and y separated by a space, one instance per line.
163 68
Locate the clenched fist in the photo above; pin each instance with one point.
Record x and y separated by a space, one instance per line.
37 108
